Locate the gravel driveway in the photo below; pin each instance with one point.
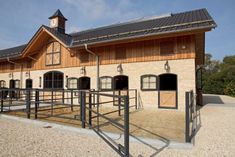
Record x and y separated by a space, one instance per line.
215 138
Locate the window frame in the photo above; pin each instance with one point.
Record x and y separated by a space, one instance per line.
17 82
106 77
69 79
2 82
52 80
52 53
148 76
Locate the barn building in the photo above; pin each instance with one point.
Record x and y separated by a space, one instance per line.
160 56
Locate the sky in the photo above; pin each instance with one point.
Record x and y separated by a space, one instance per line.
20 19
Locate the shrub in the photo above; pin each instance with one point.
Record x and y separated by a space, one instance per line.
230 89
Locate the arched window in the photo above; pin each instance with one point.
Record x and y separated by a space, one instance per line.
120 82
84 83
149 82
29 83
2 84
72 83
106 83
53 53
53 80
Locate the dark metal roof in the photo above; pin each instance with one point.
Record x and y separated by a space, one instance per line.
57 14
12 52
179 22
65 38
196 19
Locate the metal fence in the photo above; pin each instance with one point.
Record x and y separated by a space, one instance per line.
190 116
85 104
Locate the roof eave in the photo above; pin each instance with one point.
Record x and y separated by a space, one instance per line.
148 35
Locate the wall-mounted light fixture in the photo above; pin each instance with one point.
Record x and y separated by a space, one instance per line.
119 68
40 82
166 66
10 75
83 70
27 74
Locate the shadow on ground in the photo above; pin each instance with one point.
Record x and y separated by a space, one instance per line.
212 99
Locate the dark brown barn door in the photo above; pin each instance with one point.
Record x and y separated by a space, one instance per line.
167 97
121 85
84 83
29 83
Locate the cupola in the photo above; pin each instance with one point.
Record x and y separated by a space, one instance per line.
57 21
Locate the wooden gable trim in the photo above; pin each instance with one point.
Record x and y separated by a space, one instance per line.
36 36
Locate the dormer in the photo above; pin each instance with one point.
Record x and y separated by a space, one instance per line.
57 21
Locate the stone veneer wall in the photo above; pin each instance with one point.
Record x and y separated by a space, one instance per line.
184 68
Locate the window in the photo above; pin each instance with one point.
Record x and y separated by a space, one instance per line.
149 82
53 79
53 54
167 47
17 83
106 83
72 83
2 84
120 53
84 56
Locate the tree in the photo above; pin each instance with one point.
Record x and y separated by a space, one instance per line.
219 78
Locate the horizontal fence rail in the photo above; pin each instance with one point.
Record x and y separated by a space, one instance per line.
85 104
190 116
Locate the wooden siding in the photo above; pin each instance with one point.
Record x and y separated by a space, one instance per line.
200 48
141 51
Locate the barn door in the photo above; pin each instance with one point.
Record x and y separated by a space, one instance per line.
167 97
121 85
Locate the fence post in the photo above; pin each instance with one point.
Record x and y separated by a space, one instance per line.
71 100
136 99
187 118
63 96
2 97
90 108
80 102
36 103
126 125
52 101
83 109
28 103
119 103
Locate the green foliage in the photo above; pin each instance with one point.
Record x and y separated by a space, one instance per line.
230 89
219 78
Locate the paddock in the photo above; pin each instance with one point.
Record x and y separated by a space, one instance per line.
115 112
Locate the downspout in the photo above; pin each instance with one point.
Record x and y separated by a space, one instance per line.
97 66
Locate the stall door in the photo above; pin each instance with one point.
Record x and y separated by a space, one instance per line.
167 97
